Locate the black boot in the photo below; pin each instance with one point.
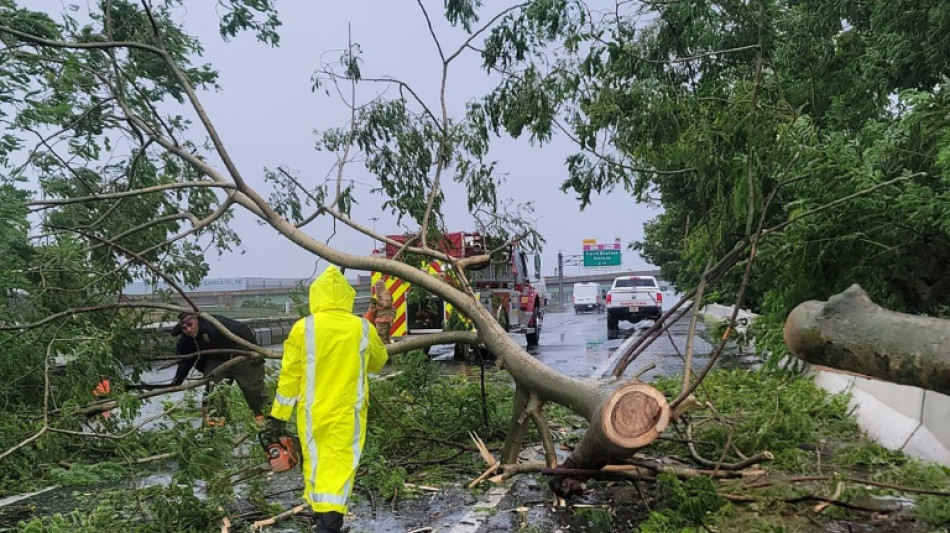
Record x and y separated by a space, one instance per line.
330 522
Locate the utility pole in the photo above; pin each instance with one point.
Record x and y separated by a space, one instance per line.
560 279
374 219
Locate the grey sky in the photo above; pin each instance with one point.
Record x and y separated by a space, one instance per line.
266 115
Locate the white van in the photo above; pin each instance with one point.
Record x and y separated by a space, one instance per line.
587 297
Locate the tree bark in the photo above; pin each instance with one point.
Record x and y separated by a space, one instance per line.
850 332
624 416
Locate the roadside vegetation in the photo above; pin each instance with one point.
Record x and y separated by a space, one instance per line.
825 471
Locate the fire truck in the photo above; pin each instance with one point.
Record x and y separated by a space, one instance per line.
515 295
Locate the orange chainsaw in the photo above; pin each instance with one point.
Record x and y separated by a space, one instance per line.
283 454
282 449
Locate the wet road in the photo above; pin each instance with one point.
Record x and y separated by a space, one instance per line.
579 345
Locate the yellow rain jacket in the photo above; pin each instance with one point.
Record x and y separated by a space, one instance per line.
324 371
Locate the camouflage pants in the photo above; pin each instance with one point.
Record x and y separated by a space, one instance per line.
382 328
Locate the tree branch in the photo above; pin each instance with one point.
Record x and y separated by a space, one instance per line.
133 192
435 39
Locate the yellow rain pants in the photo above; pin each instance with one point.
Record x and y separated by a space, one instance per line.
324 372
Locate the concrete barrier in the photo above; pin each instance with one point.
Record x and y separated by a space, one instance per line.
263 336
278 334
898 417
267 331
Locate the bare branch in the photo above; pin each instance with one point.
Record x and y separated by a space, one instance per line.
435 39
135 192
110 436
839 201
91 309
469 262
148 264
424 341
402 85
108 405
693 319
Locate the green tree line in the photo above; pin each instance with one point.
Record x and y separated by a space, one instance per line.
827 121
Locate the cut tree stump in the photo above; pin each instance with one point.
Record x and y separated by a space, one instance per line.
626 419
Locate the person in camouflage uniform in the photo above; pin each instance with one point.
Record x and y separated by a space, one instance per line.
385 314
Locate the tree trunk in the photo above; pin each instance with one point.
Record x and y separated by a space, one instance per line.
624 416
850 332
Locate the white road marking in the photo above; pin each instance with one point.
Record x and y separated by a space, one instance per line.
480 511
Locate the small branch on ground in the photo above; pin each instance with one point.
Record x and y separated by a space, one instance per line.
857 481
820 508
261 524
493 465
806 498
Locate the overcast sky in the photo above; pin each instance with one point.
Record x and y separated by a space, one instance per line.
267 115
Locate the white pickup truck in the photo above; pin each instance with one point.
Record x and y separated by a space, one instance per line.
633 298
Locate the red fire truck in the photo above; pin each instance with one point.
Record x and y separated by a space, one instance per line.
515 295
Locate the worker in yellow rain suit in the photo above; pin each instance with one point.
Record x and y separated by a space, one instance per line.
327 357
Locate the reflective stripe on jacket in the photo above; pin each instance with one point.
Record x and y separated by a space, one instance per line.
324 372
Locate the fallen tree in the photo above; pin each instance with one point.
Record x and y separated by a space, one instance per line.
850 332
197 187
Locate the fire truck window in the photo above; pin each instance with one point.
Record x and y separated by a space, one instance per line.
522 266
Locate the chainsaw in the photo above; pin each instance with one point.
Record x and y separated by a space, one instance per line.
282 449
283 454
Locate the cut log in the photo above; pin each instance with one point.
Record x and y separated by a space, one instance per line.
633 416
624 416
849 332
626 419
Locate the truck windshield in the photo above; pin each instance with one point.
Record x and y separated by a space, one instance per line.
628 282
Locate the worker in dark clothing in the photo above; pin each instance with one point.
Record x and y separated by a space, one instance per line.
197 335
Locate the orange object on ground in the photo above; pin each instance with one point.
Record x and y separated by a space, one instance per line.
215 421
102 389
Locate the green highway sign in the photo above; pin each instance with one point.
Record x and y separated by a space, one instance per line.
599 258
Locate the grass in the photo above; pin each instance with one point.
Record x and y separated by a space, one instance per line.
600 519
419 425
785 414
810 433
